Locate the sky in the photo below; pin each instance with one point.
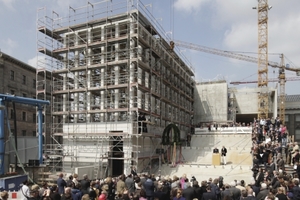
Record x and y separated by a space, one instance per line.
229 25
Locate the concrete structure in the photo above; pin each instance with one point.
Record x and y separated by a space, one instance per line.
244 104
216 103
211 102
292 115
108 70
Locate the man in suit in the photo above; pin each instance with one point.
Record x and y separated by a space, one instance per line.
280 163
216 150
133 171
223 155
263 192
209 195
149 188
226 192
236 193
189 193
61 184
85 184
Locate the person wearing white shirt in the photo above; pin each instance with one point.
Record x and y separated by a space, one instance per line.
25 191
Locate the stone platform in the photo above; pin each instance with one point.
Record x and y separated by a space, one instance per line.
197 158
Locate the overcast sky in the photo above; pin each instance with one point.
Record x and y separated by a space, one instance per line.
222 24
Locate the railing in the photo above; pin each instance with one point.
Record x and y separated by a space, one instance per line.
225 130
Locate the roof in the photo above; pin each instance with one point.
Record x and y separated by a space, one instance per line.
292 98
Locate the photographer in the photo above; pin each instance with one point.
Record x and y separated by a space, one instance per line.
193 179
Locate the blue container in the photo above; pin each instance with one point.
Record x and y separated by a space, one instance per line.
12 183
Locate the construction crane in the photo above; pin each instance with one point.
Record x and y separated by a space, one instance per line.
270 80
282 67
262 61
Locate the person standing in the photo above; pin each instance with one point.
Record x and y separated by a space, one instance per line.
223 155
149 188
25 191
61 184
216 150
85 184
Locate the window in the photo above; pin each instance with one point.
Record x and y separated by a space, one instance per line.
24 116
34 118
297 134
12 75
286 118
33 133
297 118
24 80
34 83
23 132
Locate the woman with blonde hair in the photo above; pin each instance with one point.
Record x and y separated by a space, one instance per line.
75 180
281 194
111 188
4 195
182 181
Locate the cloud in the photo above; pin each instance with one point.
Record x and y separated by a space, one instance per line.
33 61
9 45
8 3
190 5
283 37
241 37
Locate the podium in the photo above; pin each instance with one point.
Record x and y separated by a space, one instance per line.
216 159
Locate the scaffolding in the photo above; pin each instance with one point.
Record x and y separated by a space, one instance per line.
110 64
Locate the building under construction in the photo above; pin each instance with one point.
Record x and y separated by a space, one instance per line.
116 84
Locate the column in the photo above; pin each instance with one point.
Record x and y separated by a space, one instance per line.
117 74
132 48
102 104
117 31
102 33
139 99
139 75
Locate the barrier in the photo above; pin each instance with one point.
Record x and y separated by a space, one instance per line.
225 130
16 195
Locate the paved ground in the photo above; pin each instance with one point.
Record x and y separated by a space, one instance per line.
198 158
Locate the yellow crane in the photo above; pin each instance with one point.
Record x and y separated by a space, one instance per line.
270 80
282 67
262 61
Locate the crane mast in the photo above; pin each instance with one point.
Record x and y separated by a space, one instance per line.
282 80
263 96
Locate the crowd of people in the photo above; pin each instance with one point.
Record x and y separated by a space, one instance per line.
268 186
270 181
